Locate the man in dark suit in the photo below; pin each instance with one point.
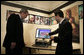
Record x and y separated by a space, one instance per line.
64 39
14 41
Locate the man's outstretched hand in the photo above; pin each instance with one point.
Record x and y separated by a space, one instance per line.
52 37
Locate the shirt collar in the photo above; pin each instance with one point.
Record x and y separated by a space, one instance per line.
61 20
20 16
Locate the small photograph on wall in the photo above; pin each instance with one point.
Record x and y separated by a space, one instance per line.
44 20
54 22
80 11
47 21
50 20
31 19
41 21
37 19
26 19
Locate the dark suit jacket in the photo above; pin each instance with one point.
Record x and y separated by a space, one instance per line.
64 38
14 31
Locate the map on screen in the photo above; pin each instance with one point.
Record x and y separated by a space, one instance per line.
41 33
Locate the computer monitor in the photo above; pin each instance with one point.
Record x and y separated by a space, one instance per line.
41 33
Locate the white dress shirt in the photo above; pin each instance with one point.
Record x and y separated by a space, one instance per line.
61 20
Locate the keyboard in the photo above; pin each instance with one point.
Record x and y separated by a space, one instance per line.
39 45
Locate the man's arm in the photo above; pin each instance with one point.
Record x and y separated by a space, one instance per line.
54 32
54 38
66 33
11 29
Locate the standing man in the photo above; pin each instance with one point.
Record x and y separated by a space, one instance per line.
14 41
64 39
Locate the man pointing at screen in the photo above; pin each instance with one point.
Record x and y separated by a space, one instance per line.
64 38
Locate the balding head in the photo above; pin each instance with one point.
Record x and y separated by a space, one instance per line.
23 10
23 13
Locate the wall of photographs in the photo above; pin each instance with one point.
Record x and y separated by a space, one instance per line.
34 19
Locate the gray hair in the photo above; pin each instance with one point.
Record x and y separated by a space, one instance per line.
23 10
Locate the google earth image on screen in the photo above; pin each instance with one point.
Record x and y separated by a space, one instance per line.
41 33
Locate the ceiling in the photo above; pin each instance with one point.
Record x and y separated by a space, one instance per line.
42 5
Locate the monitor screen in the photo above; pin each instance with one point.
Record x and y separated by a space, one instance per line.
41 33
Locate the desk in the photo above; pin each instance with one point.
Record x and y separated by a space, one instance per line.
76 47
50 48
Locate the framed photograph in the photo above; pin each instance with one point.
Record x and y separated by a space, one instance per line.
53 21
44 20
41 21
26 19
37 19
47 21
31 19
80 11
